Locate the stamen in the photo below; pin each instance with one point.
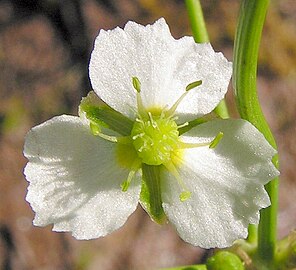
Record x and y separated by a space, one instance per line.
198 121
216 140
190 86
140 135
212 144
162 114
172 110
173 117
125 184
135 167
184 145
107 137
141 109
96 130
185 194
139 120
183 125
154 124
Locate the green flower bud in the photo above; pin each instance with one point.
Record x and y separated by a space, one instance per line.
224 260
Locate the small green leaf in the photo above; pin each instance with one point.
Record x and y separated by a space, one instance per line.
193 85
150 196
104 116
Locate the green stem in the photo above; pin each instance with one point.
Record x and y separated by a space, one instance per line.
200 35
197 21
246 47
252 234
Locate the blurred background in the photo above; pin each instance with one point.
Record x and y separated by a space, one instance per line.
44 52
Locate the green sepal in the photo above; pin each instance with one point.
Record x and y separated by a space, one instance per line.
150 197
102 115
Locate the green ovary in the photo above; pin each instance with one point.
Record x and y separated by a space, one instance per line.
155 139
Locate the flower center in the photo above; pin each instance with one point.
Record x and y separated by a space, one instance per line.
155 138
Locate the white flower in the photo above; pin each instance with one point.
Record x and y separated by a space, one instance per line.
207 179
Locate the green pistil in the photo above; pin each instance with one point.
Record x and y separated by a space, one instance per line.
155 138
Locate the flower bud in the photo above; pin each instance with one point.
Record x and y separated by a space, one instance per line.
225 260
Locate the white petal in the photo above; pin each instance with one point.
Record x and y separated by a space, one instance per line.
164 66
199 62
226 184
75 179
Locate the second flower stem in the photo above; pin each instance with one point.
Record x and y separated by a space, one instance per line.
200 35
247 41
197 21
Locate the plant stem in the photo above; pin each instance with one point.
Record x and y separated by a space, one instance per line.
248 35
200 35
252 234
197 21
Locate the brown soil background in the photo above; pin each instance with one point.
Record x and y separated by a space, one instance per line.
44 51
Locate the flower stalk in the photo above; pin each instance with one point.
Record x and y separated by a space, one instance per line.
197 22
248 35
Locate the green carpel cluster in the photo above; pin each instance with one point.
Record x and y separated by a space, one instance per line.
155 138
